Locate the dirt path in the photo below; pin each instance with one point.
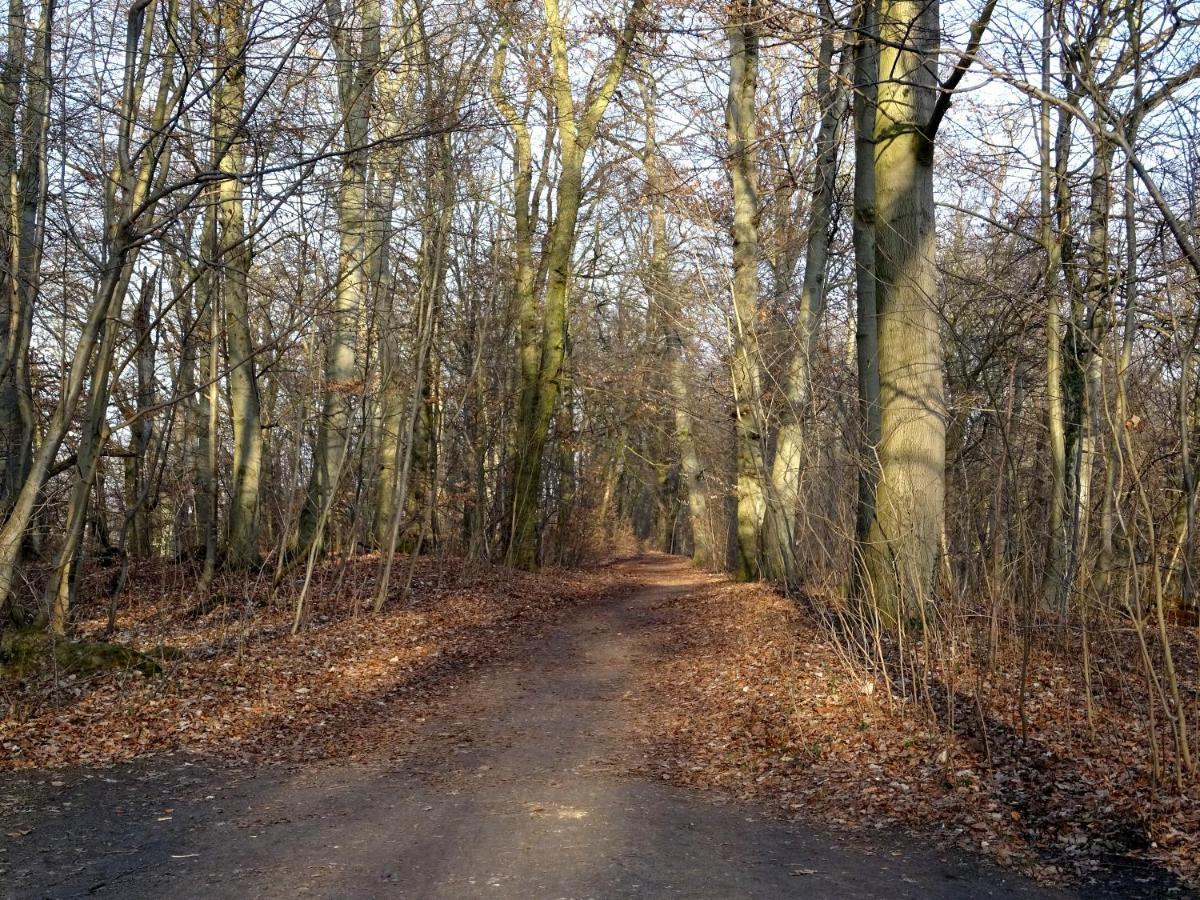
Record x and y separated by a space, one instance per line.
514 788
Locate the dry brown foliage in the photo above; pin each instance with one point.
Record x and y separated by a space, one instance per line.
238 685
756 698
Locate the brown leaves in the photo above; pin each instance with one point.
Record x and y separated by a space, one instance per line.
756 699
246 689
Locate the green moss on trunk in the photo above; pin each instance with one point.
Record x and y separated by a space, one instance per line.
21 652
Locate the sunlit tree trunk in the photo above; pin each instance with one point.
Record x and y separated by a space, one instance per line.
393 89
1085 357
229 97
524 301
1092 330
357 64
904 538
780 562
740 125
1129 290
541 358
1055 212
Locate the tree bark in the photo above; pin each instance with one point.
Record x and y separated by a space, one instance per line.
1055 213
780 562
905 534
664 296
740 124
541 359
357 65
23 209
866 75
229 97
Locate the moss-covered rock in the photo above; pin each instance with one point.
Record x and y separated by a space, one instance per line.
22 652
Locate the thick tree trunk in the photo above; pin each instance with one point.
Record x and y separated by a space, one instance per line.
740 115
541 360
903 544
525 307
539 397
241 549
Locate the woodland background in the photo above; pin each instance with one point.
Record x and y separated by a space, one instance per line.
893 307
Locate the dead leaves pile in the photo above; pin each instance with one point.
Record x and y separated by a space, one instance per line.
243 688
754 698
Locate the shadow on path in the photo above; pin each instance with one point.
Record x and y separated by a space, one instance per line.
514 788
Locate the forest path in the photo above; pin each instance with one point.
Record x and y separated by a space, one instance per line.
515 787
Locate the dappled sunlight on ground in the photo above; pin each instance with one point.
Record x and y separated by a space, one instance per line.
244 686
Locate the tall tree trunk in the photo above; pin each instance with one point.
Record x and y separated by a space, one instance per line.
866 75
357 65
202 412
229 98
1055 212
664 295
1086 358
539 396
541 360
525 306
13 432
780 563
1129 287
903 543
22 209
431 280
391 87
740 124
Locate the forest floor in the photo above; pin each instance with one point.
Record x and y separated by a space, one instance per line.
531 747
